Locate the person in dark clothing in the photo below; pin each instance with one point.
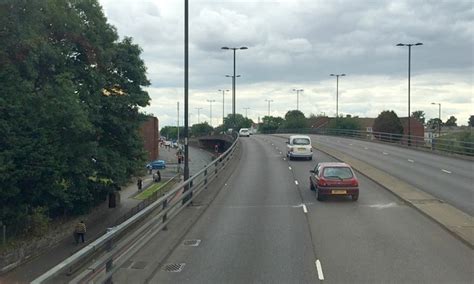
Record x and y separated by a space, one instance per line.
80 231
139 183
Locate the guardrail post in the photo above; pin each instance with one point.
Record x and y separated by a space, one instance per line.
205 176
216 166
165 217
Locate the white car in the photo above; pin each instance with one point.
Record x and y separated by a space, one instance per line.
299 146
244 132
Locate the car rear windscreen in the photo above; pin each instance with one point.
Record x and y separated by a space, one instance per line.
301 141
337 172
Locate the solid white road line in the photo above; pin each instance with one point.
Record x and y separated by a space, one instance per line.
305 210
446 171
296 182
411 161
320 270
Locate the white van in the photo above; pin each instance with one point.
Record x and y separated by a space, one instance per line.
299 146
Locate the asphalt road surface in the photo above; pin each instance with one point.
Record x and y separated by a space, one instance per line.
449 179
266 226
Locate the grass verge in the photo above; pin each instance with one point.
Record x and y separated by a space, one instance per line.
150 190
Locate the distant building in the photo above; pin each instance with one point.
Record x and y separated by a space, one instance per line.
149 130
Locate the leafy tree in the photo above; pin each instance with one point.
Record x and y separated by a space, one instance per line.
270 124
171 132
295 119
348 123
471 121
420 115
451 121
69 108
434 123
388 122
240 122
201 129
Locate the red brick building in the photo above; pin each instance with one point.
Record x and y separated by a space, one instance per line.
150 132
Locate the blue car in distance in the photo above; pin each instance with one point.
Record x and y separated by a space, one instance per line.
156 165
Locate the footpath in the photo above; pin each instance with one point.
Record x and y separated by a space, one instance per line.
100 219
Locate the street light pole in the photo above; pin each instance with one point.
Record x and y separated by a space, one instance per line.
186 88
246 108
337 91
198 109
439 118
233 81
409 78
298 97
210 114
177 140
223 114
269 101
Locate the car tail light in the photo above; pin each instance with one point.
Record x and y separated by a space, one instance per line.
354 183
322 182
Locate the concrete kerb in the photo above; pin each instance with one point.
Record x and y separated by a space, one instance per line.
455 221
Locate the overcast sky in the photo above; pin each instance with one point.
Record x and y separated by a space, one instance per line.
297 44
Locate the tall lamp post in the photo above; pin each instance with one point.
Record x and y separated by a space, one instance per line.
246 108
298 97
439 118
337 91
233 80
409 75
186 94
199 113
223 98
210 110
269 101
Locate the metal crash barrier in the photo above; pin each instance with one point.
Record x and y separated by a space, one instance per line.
99 260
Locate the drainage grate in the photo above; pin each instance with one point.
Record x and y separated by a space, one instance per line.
174 267
192 243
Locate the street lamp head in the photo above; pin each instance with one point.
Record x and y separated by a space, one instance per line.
400 44
419 43
244 47
225 47
237 76
228 75
332 75
342 75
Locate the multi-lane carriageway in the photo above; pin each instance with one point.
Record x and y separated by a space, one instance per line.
266 226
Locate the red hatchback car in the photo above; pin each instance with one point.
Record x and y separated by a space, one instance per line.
334 179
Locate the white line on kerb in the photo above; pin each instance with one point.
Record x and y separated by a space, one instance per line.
305 210
446 171
289 168
320 270
411 161
296 182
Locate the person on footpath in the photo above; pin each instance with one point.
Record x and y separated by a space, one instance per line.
80 232
139 184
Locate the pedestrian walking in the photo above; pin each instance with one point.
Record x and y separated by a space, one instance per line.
80 232
157 176
139 184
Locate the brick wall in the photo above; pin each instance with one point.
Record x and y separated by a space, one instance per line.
150 133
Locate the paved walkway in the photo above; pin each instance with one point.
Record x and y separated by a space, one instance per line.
102 218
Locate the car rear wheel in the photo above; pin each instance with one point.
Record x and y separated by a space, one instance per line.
355 197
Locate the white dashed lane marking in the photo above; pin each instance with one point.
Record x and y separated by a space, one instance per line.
289 168
320 270
305 210
411 161
385 153
446 171
296 182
